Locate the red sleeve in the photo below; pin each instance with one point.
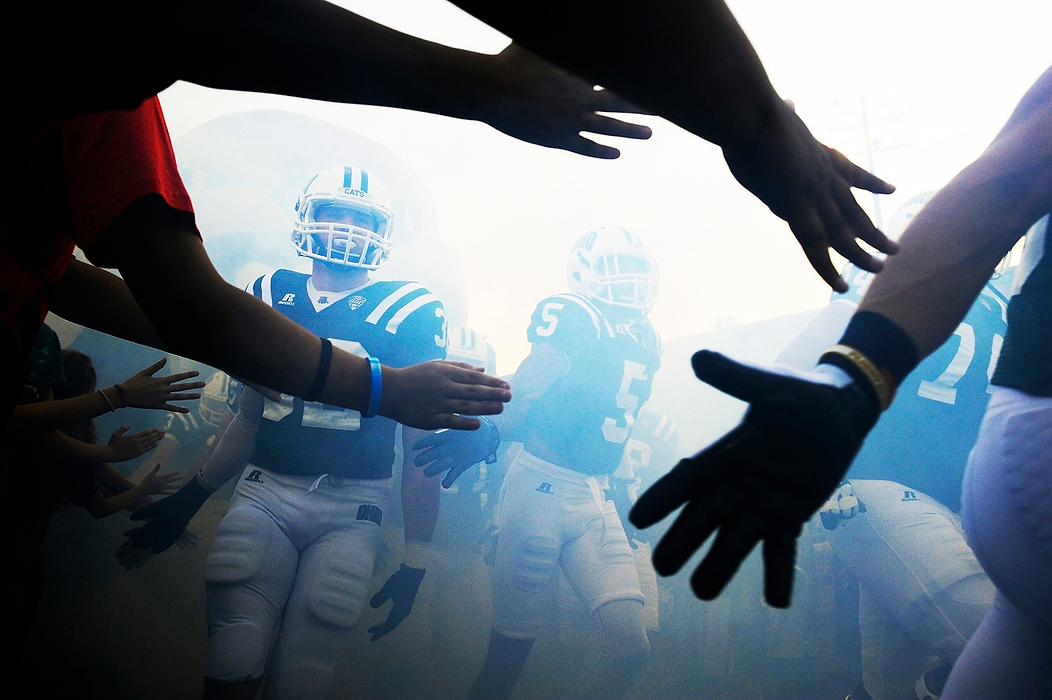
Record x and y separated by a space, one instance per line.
112 159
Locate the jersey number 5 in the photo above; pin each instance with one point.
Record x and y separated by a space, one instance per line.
616 430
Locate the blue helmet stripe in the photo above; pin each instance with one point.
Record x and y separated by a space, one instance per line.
348 177
365 181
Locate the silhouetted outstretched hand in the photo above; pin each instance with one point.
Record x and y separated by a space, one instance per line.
809 186
763 479
143 390
124 445
538 102
440 394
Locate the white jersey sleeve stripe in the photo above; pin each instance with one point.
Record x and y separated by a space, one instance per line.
268 297
390 301
392 325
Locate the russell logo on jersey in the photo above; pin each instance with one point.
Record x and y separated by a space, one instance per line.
255 476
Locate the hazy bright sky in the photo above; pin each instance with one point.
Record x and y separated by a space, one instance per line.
952 70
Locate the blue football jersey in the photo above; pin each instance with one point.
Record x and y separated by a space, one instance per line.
924 438
588 413
401 323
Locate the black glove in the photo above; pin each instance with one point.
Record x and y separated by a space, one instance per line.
400 588
166 522
457 450
764 479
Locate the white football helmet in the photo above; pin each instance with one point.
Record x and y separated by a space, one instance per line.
343 216
215 399
465 345
611 265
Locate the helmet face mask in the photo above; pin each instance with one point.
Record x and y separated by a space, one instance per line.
215 399
611 265
343 217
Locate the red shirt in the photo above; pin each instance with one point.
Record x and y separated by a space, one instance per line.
82 173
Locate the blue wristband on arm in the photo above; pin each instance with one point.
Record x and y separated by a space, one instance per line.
375 390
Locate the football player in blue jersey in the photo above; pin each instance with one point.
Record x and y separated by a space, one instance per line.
296 548
576 395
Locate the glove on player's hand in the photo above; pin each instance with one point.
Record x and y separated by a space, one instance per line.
763 479
400 588
166 520
842 505
457 450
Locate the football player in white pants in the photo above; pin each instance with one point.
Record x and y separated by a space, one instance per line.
296 549
577 394
922 592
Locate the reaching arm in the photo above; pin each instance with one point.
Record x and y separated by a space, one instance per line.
456 452
691 63
314 49
420 494
59 446
168 518
953 245
141 390
232 450
199 315
113 481
515 91
154 483
532 379
95 298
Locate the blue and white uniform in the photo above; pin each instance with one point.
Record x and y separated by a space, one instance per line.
300 537
401 323
556 513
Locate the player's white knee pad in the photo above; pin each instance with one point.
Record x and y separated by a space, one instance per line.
337 593
534 564
236 652
237 553
240 627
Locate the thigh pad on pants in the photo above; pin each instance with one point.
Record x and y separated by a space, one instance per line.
335 593
239 546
